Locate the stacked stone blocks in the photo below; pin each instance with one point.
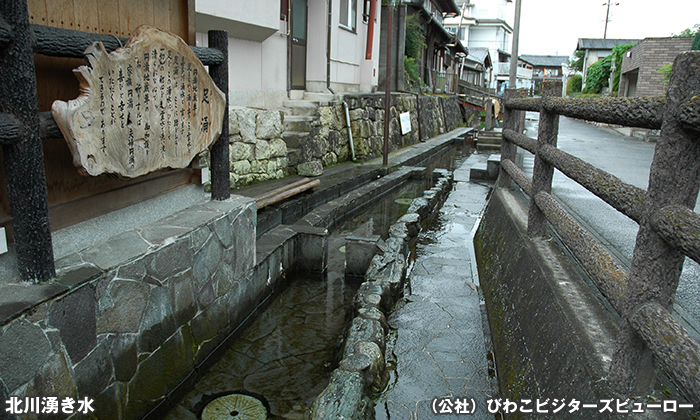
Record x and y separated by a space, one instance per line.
328 141
257 151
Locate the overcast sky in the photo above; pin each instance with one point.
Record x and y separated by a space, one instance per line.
553 27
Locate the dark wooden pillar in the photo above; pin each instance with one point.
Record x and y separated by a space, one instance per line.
21 144
220 165
543 172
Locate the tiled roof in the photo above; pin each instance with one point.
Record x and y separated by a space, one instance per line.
478 54
545 60
602 44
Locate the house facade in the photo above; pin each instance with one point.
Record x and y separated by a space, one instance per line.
597 49
483 25
546 67
279 49
441 57
640 65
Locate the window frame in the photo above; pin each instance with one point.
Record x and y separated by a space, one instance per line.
350 9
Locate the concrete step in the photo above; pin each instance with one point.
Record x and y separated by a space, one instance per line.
488 146
321 98
298 122
486 171
302 107
294 139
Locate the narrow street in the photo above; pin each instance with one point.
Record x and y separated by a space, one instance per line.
629 159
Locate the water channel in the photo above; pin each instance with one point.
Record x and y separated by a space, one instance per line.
284 359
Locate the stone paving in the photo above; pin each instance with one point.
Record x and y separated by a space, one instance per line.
442 341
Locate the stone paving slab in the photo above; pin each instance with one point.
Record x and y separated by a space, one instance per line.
441 346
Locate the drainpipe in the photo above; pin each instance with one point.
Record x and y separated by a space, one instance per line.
347 119
328 46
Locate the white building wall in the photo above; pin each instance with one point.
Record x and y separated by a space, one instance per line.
491 9
350 72
257 48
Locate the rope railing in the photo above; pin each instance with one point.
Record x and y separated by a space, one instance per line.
668 231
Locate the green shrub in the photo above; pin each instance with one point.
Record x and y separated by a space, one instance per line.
597 75
415 43
410 68
574 84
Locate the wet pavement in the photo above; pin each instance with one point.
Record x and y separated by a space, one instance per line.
441 342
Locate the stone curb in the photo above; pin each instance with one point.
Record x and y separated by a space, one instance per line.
362 370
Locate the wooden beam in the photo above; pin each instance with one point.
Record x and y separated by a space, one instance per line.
287 193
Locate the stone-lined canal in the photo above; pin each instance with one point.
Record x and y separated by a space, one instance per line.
285 357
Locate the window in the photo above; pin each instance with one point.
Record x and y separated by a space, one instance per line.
348 14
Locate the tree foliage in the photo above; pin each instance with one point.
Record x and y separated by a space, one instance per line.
573 85
619 52
575 62
415 43
695 30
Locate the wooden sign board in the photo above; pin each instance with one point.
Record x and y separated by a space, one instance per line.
147 106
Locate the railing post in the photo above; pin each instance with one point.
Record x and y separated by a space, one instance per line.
488 126
220 164
656 266
542 172
22 152
510 122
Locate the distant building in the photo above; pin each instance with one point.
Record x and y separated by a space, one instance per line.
597 49
483 25
640 65
439 61
476 67
546 67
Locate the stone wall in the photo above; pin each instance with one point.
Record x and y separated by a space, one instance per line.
257 151
132 317
329 144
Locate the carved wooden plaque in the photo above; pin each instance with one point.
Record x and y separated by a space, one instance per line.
146 106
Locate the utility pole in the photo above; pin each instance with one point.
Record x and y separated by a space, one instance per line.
512 82
387 82
607 17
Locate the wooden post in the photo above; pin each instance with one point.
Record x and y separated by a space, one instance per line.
657 265
511 118
220 165
542 172
23 154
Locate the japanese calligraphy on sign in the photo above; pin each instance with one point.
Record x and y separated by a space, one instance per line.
147 106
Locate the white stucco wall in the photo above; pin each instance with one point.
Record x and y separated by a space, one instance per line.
254 20
350 72
257 70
